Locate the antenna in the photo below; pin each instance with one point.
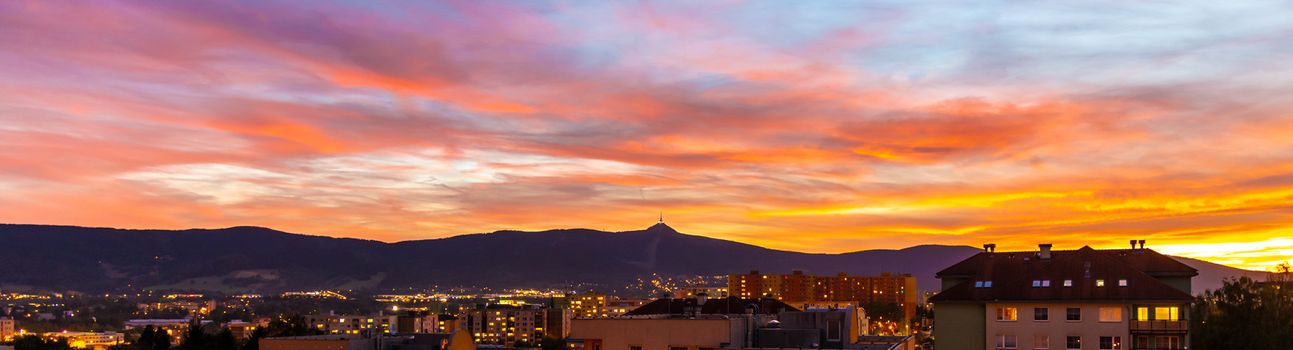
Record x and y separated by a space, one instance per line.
661 216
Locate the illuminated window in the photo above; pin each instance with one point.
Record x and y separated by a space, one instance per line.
1068 283
1111 314
1122 283
1099 283
1142 313
1167 313
1007 314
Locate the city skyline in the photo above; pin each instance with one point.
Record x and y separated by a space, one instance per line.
808 127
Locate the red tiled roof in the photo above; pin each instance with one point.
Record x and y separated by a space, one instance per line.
1012 275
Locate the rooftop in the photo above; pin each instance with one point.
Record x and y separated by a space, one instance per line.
714 306
1082 274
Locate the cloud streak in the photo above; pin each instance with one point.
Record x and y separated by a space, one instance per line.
815 127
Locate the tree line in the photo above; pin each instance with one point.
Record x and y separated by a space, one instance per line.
1245 314
194 337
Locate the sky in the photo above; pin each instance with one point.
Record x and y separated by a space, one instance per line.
816 126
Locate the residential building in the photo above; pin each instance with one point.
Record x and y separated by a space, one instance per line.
446 323
727 323
798 288
509 324
710 332
88 340
557 323
813 328
242 329
193 307
8 328
618 307
354 324
1080 299
588 305
175 327
416 322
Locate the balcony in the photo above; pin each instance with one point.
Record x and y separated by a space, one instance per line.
1159 326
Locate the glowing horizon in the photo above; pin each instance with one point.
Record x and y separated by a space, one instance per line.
814 127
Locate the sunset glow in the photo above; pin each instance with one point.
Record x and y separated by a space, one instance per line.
806 126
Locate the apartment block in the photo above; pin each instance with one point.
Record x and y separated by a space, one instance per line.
1084 299
508 325
798 288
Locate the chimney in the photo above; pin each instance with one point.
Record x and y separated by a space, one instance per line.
1133 244
990 247
1142 243
1046 251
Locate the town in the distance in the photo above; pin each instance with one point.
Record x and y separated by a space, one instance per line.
1072 298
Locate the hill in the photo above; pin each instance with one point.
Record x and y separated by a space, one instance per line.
259 259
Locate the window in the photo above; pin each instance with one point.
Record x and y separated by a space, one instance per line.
986 284
833 330
1007 342
1041 342
1099 283
1167 342
1046 283
1122 283
1037 283
1073 342
635 347
1073 314
677 348
1142 313
1007 314
978 284
1110 343
1068 283
1111 314
1167 313
1041 314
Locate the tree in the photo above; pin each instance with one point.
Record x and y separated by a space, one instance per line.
32 342
146 338
161 340
253 343
225 340
195 338
1243 313
290 326
885 311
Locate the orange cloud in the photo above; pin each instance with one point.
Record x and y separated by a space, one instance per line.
416 122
